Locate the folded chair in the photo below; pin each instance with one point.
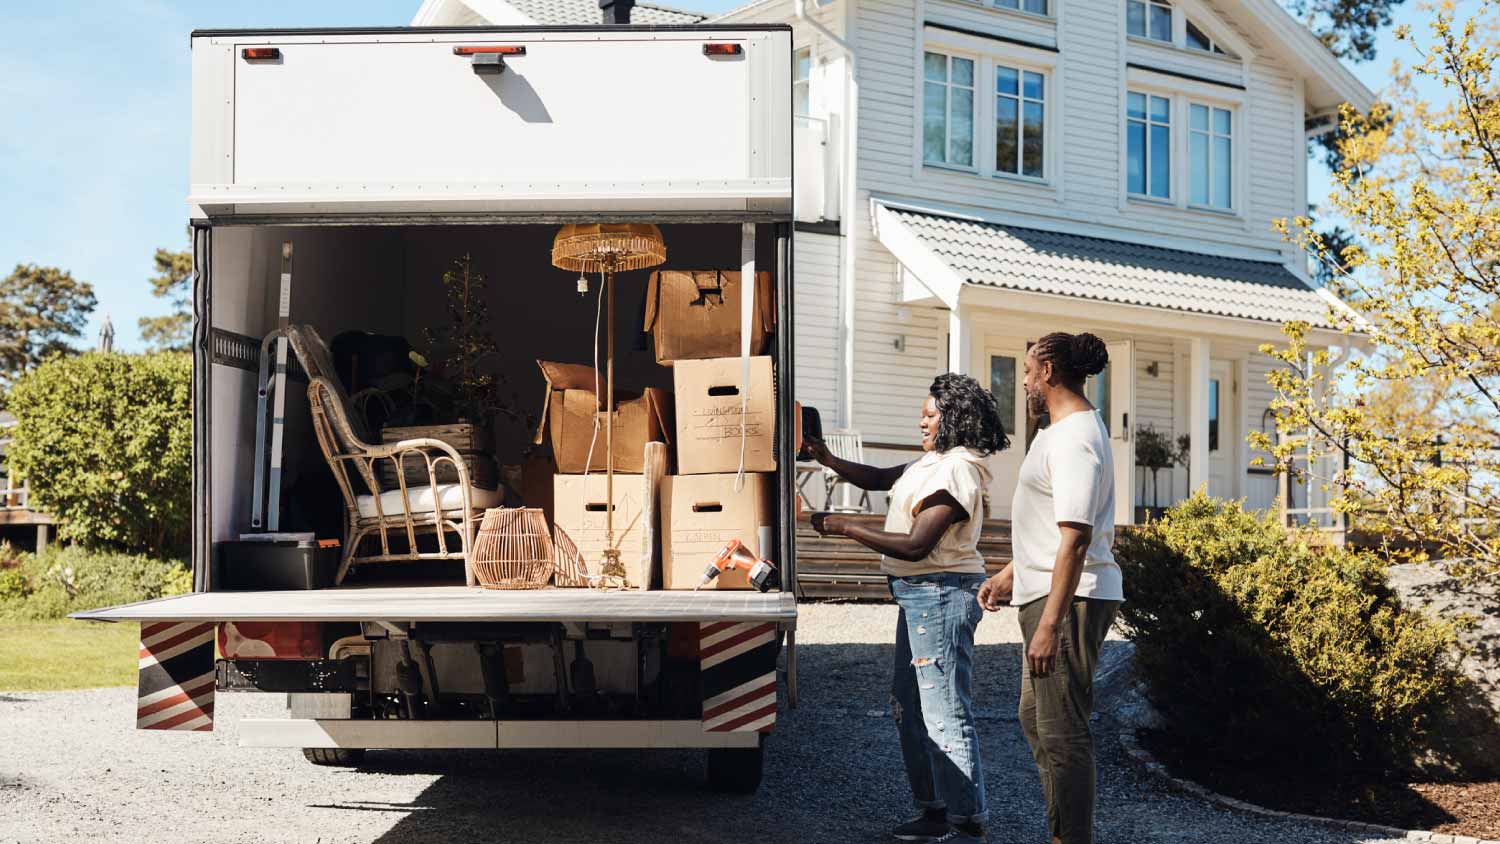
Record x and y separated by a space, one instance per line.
449 511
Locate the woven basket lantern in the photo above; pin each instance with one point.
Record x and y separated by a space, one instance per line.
513 549
608 247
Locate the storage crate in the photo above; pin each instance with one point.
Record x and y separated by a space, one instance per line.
470 442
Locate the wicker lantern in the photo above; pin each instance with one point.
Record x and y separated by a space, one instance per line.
608 248
513 549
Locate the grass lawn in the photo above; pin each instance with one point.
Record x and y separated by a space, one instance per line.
53 655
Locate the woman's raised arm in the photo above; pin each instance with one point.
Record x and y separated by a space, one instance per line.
870 478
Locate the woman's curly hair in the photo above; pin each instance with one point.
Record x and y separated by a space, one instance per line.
970 416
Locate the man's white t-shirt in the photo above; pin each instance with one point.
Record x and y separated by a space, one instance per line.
1067 476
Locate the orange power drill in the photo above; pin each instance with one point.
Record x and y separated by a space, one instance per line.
762 574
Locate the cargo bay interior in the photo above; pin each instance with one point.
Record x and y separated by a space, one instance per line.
387 282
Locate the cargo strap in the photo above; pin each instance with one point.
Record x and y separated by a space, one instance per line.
747 317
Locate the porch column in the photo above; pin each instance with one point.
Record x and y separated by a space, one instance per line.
1197 413
960 342
41 538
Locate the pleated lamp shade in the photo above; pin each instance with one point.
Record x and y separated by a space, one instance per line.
608 247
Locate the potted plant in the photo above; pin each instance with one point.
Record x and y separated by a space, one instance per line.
1154 451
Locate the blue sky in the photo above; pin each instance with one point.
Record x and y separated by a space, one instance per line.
93 152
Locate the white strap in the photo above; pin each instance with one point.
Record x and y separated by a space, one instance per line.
747 315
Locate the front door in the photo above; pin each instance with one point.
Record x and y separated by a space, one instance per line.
1003 360
1222 438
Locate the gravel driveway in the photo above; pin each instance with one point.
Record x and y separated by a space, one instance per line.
73 768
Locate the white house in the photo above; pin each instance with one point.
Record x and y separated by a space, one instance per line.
1025 166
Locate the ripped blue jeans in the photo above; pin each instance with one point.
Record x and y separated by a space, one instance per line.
932 693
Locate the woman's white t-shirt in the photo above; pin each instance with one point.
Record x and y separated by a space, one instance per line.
963 474
1067 476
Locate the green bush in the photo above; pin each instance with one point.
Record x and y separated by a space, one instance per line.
1258 644
61 580
105 441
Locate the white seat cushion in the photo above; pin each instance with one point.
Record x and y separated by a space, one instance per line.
449 497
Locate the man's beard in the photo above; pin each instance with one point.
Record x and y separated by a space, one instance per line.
1036 405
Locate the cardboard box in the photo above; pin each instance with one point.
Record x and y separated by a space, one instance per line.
709 414
695 314
569 410
580 511
703 512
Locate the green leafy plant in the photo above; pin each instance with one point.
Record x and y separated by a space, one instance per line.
105 441
61 580
462 381
1258 644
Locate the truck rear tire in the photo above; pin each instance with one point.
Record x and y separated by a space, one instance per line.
736 770
335 757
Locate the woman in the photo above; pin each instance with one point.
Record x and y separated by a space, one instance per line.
932 562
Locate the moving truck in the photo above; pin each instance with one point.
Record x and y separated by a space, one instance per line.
337 175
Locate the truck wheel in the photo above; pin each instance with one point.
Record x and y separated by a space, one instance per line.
336 757
736 770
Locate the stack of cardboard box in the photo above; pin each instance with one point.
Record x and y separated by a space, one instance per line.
721 424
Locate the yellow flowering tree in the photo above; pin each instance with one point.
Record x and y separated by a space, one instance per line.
1406 427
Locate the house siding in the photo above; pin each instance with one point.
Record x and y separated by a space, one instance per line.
815 297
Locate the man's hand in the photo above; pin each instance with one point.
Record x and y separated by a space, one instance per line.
1041 655
996 590
829 524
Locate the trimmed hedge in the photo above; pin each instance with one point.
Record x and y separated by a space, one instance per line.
62 580
105 441
1258 644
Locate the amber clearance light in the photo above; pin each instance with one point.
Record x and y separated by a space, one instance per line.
260 54
503 50
722 49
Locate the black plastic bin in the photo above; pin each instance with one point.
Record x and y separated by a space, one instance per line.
274 565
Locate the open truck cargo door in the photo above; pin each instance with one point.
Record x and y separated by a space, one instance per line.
543 121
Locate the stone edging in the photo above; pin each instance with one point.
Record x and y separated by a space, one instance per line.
1149 763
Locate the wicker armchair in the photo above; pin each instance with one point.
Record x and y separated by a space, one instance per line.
372 511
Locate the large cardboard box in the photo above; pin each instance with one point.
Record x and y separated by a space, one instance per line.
695 314
580 511
709 412
701 513
569 410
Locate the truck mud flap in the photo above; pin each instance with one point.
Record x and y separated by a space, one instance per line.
738 664
175 684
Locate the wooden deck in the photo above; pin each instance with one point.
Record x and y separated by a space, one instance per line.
839 567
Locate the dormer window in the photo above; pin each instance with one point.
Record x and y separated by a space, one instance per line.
1149 19
1197 39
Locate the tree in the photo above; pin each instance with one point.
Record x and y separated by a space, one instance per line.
1422 192
105 442
1346 27
173 282
41 308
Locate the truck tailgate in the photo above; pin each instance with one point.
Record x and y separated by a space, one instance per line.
458 603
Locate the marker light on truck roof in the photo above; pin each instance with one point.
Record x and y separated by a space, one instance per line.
260 54
504 50
722 49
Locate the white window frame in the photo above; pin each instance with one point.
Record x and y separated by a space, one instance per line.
1172 16
1231 49
987 54
812 59
1172 164
1183 93
974 153
1046 11
1021 101
1234 154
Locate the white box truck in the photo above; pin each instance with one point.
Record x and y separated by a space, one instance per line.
381 155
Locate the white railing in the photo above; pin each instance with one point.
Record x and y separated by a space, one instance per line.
12 497
815 190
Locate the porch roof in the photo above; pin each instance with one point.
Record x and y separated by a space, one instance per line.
568 12
1037 261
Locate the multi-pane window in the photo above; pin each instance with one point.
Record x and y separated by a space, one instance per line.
1148 140
1003 386
802 81
1149 19
1197 39
947 110
1036 7
1020 121
1210 156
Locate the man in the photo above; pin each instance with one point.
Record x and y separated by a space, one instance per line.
1063 576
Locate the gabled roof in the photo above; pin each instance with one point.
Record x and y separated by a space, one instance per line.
563 12
1038 261
542 12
